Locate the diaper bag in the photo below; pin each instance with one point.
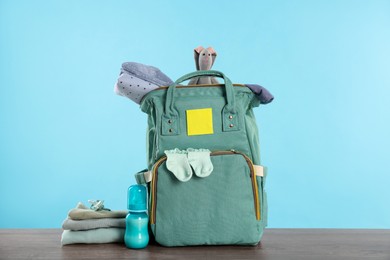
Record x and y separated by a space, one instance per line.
228 207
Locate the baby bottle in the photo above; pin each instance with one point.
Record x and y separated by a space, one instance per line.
136 235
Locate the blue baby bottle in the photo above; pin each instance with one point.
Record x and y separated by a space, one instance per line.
136 235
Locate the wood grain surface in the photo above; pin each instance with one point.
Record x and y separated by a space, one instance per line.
279 244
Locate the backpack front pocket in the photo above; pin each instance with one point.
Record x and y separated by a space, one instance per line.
223 208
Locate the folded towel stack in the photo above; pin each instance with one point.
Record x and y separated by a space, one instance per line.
86 226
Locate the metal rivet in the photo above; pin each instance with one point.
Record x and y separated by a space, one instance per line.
231 125
169 121
170 130
230 117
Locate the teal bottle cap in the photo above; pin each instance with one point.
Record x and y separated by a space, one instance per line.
137 198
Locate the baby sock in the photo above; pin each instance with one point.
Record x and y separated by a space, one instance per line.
177 163
200 161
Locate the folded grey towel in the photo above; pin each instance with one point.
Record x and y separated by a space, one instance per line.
87 224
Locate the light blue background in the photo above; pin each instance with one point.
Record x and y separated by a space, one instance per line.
66 137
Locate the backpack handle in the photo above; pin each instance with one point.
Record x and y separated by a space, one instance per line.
170 117
200 73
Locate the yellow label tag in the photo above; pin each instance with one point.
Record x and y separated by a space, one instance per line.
200 121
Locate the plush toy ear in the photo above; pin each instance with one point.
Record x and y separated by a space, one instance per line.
197 50
212 51
213 54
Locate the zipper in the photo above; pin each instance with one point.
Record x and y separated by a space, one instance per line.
216 153
192 86
154 189
200 85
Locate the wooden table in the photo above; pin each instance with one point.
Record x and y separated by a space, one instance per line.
300 244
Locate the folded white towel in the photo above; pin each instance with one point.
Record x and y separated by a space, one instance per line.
94 236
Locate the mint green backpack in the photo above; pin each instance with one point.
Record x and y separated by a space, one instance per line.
230 205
